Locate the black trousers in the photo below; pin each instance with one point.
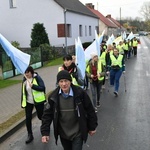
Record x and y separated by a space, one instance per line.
28 112
135 51
75 144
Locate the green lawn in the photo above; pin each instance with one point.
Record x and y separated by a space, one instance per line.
6 83
55 62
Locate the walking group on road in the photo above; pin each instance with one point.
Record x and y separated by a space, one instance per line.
69 107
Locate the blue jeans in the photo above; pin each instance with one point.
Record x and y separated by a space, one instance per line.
76 144
115 75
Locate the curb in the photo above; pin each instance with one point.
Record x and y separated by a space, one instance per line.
10 131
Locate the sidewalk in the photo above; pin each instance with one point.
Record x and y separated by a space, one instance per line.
10 103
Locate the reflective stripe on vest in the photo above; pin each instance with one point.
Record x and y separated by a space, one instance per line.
118 61
38 96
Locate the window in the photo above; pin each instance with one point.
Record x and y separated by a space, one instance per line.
61 30
85 30
90 31
12 3
68 30
80 30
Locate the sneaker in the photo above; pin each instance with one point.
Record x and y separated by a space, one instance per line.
98 105
103 87
116 93
95 109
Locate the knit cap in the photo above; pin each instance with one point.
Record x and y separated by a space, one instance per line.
63 75
93 55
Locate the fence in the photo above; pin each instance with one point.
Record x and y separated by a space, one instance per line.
39 57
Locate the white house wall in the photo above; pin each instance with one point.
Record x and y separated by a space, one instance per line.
17 23
84 21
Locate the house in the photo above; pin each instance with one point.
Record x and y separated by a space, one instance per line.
120 28
64 20
104 23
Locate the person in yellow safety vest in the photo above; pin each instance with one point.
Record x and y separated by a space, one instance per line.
95 72
126 49
33 95
130 48
120 48
73 69
135 44
116 67
103 60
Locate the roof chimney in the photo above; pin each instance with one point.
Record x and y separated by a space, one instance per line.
90 5
108 16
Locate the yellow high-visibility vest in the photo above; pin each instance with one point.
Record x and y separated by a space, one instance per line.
38 96
116 61
99 70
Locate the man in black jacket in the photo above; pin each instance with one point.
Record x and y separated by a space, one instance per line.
72 113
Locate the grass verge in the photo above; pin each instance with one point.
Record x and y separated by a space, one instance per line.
7 124
6 83
14 119
55 62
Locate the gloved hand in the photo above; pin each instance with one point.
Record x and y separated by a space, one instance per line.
124 72
75 75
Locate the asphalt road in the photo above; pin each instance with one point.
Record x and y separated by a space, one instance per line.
124 121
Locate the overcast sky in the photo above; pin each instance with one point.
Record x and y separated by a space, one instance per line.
129 8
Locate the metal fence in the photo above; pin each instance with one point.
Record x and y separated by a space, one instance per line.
39 57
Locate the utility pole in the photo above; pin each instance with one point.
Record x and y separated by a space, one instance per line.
120 20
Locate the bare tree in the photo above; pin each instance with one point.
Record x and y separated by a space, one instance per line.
145 10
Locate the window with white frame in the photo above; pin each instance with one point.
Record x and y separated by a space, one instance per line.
85 30
12 3
90 31
80 30
68 32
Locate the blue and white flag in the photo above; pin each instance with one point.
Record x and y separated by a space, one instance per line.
89 50
20 60
80 56
110 40
97 40
130 36
101 37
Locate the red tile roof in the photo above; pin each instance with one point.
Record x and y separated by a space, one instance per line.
103 18
113 20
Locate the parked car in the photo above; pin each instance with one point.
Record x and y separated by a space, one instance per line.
143 33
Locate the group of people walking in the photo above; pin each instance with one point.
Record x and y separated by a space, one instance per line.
69 107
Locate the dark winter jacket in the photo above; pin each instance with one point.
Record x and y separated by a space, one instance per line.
40 87
84 112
